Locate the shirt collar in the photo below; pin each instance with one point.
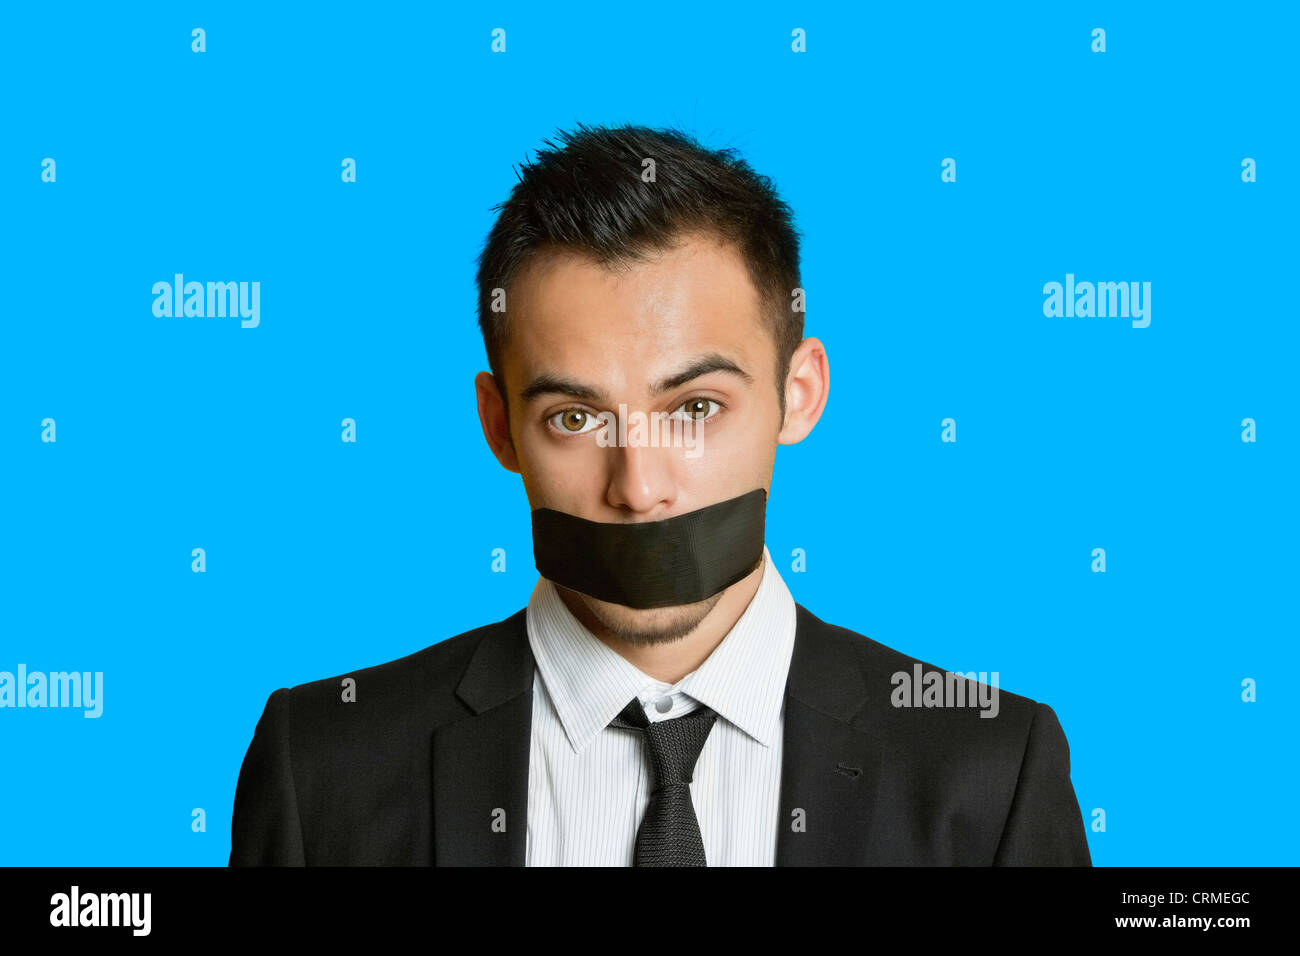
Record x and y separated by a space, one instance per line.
743 679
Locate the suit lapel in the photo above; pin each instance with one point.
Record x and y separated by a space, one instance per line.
829 774
830 768
480 763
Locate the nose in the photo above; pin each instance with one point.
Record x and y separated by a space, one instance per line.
642 480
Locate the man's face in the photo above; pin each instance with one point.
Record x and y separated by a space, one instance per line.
583 339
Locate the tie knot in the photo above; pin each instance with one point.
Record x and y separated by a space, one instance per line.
674 744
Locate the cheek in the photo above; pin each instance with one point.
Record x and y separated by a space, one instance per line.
731 455
558 468
739 432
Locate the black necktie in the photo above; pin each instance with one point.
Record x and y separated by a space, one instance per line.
669 834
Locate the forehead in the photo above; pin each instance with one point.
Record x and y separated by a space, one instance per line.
630 324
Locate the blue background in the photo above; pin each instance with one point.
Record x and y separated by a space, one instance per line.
325 557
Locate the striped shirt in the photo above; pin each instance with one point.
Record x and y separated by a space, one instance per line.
588 784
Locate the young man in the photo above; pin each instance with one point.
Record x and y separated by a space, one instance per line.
662 700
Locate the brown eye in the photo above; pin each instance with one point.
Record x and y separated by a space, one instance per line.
574 421
697 409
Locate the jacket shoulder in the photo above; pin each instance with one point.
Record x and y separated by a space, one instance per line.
895 685
968 772
339 769
416 690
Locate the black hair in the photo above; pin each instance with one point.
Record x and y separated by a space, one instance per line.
588 196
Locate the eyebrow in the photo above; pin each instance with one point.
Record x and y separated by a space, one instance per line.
546 383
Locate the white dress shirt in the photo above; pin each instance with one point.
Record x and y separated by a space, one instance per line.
588 784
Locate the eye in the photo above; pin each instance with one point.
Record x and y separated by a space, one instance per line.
697 409
574 421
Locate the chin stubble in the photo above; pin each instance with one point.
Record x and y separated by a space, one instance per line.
674 629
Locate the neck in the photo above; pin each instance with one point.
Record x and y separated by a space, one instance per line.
671 661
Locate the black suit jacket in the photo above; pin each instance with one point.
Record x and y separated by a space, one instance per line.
429 765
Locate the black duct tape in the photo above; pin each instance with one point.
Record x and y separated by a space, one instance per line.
679 560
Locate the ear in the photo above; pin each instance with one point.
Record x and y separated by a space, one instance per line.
492 416
806 388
